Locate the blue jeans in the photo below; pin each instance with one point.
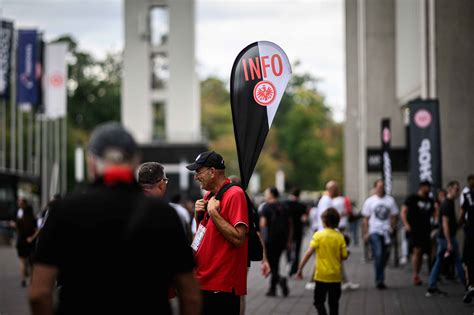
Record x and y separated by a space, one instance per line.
442 247
380 255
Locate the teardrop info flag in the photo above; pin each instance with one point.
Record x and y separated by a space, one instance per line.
258 80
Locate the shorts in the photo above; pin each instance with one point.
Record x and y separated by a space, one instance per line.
468 249
420 241
25 249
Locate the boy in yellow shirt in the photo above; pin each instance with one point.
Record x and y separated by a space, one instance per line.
330 249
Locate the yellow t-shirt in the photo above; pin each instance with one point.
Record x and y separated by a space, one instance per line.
330 249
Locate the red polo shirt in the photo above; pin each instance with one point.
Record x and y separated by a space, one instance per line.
220 266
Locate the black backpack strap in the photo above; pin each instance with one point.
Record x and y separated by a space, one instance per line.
223 189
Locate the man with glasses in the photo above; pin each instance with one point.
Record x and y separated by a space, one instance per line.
220 244
152 178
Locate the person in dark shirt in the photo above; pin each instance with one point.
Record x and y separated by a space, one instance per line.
417 211
276 225
25 225
116 250
299 216
467 219
447 242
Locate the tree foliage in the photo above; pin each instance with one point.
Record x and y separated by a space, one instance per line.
304 141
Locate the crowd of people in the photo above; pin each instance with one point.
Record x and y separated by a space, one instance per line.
117 246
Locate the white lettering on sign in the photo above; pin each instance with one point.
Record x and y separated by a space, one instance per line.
424 159
387 170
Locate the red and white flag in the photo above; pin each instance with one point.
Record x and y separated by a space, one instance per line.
54 80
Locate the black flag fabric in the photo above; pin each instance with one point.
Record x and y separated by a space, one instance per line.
258 80
386 137
425 144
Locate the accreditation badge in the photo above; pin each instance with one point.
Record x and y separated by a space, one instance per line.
198 237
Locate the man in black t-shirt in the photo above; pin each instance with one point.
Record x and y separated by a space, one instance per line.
115 250
447 242
467 218
276 226
299 215
417 211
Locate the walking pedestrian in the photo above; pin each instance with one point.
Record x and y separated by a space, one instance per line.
447 242
220 244
331 250
25 225
467 219
116 250
276 225
299 216
380 217
417 212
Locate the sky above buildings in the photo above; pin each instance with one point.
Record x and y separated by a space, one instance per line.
310 31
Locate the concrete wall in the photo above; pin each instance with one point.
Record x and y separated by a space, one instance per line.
371 95
351 148
455 86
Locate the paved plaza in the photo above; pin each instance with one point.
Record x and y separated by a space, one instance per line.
400 298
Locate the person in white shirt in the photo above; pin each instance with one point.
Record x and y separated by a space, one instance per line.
331 199
380 214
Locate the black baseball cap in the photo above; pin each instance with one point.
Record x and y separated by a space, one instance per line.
425 183
209 159
112 135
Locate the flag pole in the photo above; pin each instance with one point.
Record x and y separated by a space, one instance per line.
29 149
64 156
13 107
44 161
20 139
3 110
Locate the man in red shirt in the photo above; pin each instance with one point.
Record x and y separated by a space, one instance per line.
220 244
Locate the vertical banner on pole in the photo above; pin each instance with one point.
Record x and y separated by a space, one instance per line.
6 36
54 80
258 81
26 75
386 137
425 144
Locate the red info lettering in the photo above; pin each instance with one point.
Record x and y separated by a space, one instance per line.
258 67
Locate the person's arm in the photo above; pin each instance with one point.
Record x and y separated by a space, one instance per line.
365 228
265 265
307 255
189 294
462 217
290 233
403 216
445 220
40 293
235 235
34 236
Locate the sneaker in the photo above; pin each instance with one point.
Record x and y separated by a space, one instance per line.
284 287
381 286
271 292
354 286
469 295
310 286
417 281
435 292
349 286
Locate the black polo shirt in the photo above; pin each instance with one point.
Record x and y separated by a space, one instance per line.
116 250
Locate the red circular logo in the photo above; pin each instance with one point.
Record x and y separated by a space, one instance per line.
422 118
56 79
386 135
264 93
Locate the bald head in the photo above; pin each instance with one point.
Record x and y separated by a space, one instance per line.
332 188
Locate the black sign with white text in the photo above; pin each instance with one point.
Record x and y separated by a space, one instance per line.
425 144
